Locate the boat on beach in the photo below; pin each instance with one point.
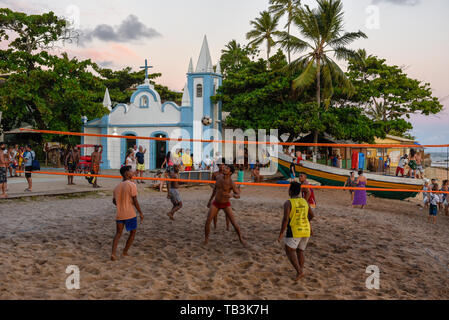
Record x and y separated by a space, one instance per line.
331 176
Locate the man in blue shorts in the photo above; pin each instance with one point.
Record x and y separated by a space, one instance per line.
125 199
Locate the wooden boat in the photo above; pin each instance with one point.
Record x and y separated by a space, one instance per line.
331 176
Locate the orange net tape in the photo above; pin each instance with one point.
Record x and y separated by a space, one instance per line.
238 183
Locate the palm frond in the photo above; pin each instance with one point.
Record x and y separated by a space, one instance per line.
307 77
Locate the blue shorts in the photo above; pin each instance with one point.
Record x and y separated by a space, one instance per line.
130 224
433 210
292 176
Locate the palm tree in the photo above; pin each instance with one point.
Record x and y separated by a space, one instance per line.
265 29
233 55
323 27
285 7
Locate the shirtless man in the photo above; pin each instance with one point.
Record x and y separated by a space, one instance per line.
4 162
173 192
223 189
95 163
215 176
71 163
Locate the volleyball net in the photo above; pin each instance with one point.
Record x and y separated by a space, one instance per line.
242 149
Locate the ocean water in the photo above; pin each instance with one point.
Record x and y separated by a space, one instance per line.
438 156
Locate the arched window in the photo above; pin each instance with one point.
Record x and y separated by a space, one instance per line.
199 90
144 102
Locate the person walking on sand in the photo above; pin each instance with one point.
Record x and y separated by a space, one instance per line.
3 170
223 188
173 192
360 195
296 221
351 184
125 199
95 164
140 157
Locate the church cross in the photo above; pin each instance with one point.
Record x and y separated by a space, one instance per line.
146 67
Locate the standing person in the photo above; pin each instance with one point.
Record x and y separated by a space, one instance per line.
307 193
401 165
299 157
296 220
70 164
360 195
351 183
412 164
187 160
419 167
207 163
214 177
95 164
223 189
29 156
4 162
256 173
12 153
20 160
292 171
241 174
444 196
125 199
433 204
426 195
140 156
173 192
168 162
387 165
134 164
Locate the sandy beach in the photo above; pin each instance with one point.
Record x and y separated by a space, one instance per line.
42 236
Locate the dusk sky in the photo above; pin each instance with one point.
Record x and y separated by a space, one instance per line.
117 33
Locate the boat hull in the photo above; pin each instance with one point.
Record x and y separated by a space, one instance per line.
326 177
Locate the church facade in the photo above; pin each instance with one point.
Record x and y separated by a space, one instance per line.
146 116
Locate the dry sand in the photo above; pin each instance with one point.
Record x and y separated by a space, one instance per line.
40 238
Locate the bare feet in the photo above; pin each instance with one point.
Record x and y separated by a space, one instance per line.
206 242
125 254
170 215
299 276
113 258
4 196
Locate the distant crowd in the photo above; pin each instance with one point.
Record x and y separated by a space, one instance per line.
14 160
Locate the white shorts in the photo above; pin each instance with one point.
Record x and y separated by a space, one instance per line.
425 200
296 243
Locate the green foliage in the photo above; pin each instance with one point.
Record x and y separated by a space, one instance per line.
54 92
262 98
264 30
387 94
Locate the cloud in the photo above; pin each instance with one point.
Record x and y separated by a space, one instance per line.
410 3
130 29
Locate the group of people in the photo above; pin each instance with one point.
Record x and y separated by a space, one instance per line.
72 164
435 202
413 162
12 160
295 229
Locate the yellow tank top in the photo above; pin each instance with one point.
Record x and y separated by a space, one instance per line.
299 225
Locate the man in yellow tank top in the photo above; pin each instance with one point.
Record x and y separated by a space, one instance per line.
296 221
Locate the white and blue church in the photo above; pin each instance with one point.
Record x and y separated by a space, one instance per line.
146 116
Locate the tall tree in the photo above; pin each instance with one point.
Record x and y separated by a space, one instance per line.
289 8
260 98
323 28
264 29
233 56
387 94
